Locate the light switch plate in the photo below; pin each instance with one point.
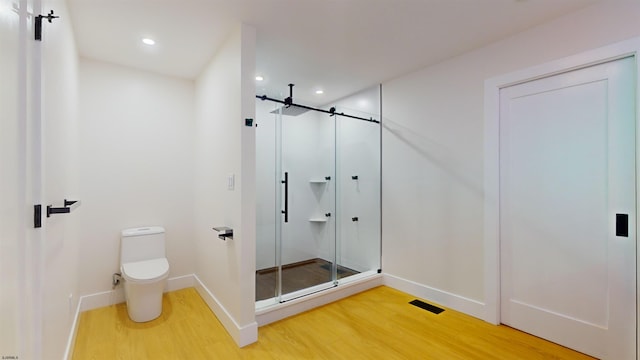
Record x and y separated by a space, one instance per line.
231 182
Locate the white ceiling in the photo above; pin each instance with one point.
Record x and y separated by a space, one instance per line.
341 46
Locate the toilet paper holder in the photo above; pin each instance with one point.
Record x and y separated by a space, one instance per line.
69 206
224 232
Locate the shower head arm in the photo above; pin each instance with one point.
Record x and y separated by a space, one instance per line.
289 101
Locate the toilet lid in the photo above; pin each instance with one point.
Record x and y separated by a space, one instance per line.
145 270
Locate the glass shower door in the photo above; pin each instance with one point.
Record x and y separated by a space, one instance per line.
358 191
318 197
306 193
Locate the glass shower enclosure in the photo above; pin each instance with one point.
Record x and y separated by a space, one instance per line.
318 213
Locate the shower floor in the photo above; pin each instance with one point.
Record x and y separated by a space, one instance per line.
297 276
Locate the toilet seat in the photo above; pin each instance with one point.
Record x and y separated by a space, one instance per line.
146 271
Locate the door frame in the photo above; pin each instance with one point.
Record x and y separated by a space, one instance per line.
492 89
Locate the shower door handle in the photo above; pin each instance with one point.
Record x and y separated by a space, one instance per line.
286 197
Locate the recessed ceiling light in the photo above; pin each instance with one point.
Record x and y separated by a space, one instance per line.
319 92
259 78
148 41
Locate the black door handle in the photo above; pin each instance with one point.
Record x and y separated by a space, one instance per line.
622 225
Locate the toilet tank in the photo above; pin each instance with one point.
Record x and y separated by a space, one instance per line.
142 243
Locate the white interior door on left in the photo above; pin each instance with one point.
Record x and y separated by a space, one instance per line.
11 236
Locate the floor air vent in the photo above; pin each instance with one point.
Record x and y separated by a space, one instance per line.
428 307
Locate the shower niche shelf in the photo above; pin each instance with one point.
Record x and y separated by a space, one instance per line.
320 181
318 220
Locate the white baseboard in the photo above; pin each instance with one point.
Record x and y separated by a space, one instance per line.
107 298
308 302
101 299
180 282
459 303
242 335
111 297
71 341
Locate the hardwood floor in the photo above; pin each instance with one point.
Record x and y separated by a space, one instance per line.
376 324
297 276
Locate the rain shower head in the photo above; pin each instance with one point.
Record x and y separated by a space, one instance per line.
291 110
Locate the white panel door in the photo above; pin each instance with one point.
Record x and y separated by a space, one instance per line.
567 167
12 234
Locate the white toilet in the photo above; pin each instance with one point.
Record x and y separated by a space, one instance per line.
145 269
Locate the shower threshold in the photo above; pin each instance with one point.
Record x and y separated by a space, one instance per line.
297 276
270 310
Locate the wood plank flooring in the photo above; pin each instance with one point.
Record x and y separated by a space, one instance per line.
376 324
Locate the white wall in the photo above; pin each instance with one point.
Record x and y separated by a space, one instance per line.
225 96
433 148
136 166
59 181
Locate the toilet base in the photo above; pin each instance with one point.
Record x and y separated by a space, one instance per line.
144 301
